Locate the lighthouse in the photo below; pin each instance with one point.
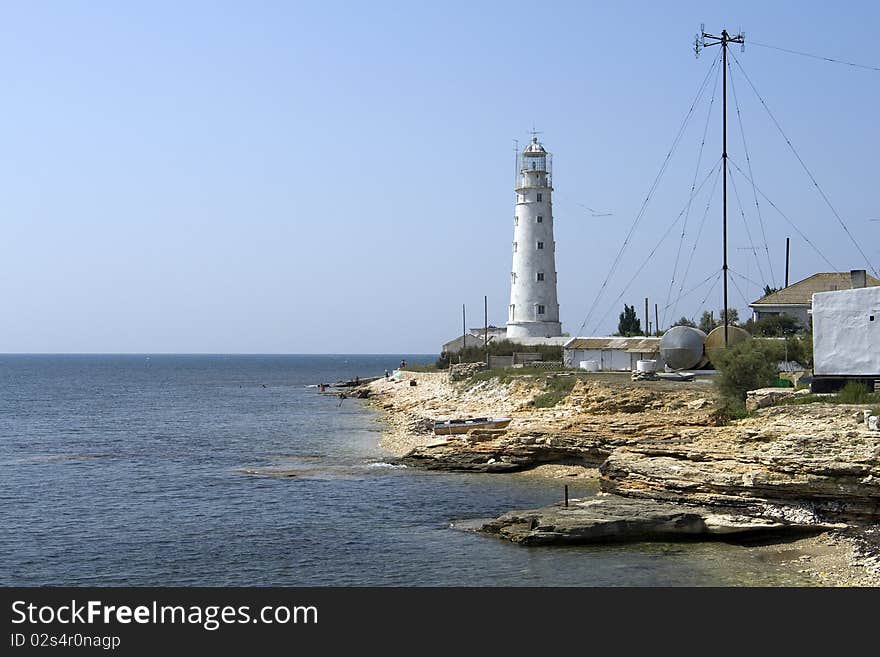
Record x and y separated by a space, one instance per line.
534 309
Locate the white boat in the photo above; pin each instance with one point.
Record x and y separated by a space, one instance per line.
465 425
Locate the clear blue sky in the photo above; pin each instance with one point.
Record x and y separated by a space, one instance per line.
329 177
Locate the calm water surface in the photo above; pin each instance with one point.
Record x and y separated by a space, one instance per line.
131 470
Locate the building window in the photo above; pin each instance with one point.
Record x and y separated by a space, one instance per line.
540 245
514 247
540 197
540 275
515 221
540 309
540 219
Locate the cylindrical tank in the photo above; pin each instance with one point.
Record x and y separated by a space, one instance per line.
590 365
715 340
646 366
682 347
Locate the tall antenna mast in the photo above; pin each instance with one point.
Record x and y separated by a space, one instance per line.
705 40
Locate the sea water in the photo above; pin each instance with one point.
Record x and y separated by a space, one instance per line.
232 470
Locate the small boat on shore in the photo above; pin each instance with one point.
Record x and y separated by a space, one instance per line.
357 381
465 425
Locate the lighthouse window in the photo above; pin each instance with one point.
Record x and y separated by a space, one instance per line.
540 276
540 219
540 245
540 197
516 221
513 277
540 309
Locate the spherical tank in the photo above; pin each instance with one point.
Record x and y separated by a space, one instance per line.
715 340
682 347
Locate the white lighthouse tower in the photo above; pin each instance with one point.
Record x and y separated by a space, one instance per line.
534 309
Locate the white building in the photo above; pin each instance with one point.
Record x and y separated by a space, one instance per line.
612 354
846 334
796 299
534 309
475 337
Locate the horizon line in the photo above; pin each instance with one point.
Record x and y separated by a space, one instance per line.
201 353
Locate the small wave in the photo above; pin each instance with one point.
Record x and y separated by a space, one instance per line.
382 464
50 458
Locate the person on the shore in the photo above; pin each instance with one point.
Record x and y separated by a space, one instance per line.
402 364
386 375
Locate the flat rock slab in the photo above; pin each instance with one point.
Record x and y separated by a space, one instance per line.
614 519
464 455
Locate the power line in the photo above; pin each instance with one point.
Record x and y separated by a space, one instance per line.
741 295
742 133
784 216
693 186
806 169
697 238
746 224
745 278
702 303
806 54
657 245
715 274
650 194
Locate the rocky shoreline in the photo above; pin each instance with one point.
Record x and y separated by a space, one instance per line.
667 468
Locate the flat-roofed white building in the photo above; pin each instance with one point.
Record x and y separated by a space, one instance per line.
612 354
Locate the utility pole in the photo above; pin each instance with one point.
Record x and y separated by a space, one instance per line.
463 335
706 40
486 327
647 321
656 320
787 244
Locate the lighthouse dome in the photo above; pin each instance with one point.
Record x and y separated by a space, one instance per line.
534 148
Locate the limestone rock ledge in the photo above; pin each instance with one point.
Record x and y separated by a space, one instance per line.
469 455
614 519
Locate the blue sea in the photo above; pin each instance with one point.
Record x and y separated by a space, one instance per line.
158 470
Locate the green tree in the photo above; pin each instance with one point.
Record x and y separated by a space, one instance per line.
774 326
629 324
684 321
770 290
709 321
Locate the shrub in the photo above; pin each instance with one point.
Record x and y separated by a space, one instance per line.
855 392
498 348
558 388
743 367
774 326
